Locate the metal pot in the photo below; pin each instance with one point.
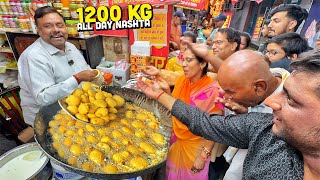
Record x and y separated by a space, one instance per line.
46 114
43 173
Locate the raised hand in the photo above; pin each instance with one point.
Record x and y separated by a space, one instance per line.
151 70
233 106
152 90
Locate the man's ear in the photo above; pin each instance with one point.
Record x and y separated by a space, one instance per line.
293 56
234 46
292 24
260 87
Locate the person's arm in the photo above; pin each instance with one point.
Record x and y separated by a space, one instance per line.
202 51
39 77
231 130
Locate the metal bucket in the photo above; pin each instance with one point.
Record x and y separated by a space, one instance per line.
42 172
48 112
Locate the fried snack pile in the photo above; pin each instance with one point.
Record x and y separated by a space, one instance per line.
132 141
93 106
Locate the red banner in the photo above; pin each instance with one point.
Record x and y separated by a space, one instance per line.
257 29
192 4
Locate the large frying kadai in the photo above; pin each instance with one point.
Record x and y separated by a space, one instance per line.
48 112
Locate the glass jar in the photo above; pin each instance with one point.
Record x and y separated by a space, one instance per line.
57 4
72 28
73 11
23 23
80 4
66 13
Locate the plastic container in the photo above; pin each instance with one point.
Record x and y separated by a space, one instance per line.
57 4
72 28
80 3
23 23
73 11
66 13
19 7
60 173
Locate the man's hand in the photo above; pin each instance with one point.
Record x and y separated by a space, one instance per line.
86 75
164 85
200 50
174 46
233 106
151 70
151 90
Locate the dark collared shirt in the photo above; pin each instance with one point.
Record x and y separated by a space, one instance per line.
269 157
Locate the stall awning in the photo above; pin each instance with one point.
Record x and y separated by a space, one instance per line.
235 1
196 5
124 3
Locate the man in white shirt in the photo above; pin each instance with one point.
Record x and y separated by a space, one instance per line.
50 68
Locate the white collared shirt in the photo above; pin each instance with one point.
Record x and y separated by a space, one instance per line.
45 75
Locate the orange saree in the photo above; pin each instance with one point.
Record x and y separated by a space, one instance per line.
185 145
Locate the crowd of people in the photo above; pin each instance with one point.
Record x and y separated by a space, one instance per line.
265 127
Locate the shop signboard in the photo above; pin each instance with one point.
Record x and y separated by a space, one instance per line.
158 32
228 20
257 28
193 4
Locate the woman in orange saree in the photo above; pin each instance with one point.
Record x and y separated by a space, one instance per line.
189 155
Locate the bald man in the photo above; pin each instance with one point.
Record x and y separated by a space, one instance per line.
246 81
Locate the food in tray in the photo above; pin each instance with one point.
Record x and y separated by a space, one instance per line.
93 105
133 141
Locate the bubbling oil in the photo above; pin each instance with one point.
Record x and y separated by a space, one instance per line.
116 144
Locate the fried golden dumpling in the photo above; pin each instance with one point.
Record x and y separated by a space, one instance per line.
103 146
140 133
116 134
86 86
99 96
77 92
112 116
119 100
133 150
153 125
100 103
111 102
96 157
127 130
129 114
83 108
73 110
139 163
140 116
73 100
110 169
124 121
97 121
105 139
72 161
113 110
158 139
147 147
82 117
138 124
76 150
87 167
92 139
121 157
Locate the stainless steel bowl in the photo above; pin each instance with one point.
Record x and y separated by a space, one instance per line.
43 173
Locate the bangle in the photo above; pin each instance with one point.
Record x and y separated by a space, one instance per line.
159 95
206 151
77 79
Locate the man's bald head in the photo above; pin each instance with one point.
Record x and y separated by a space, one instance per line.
245 77
245 65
